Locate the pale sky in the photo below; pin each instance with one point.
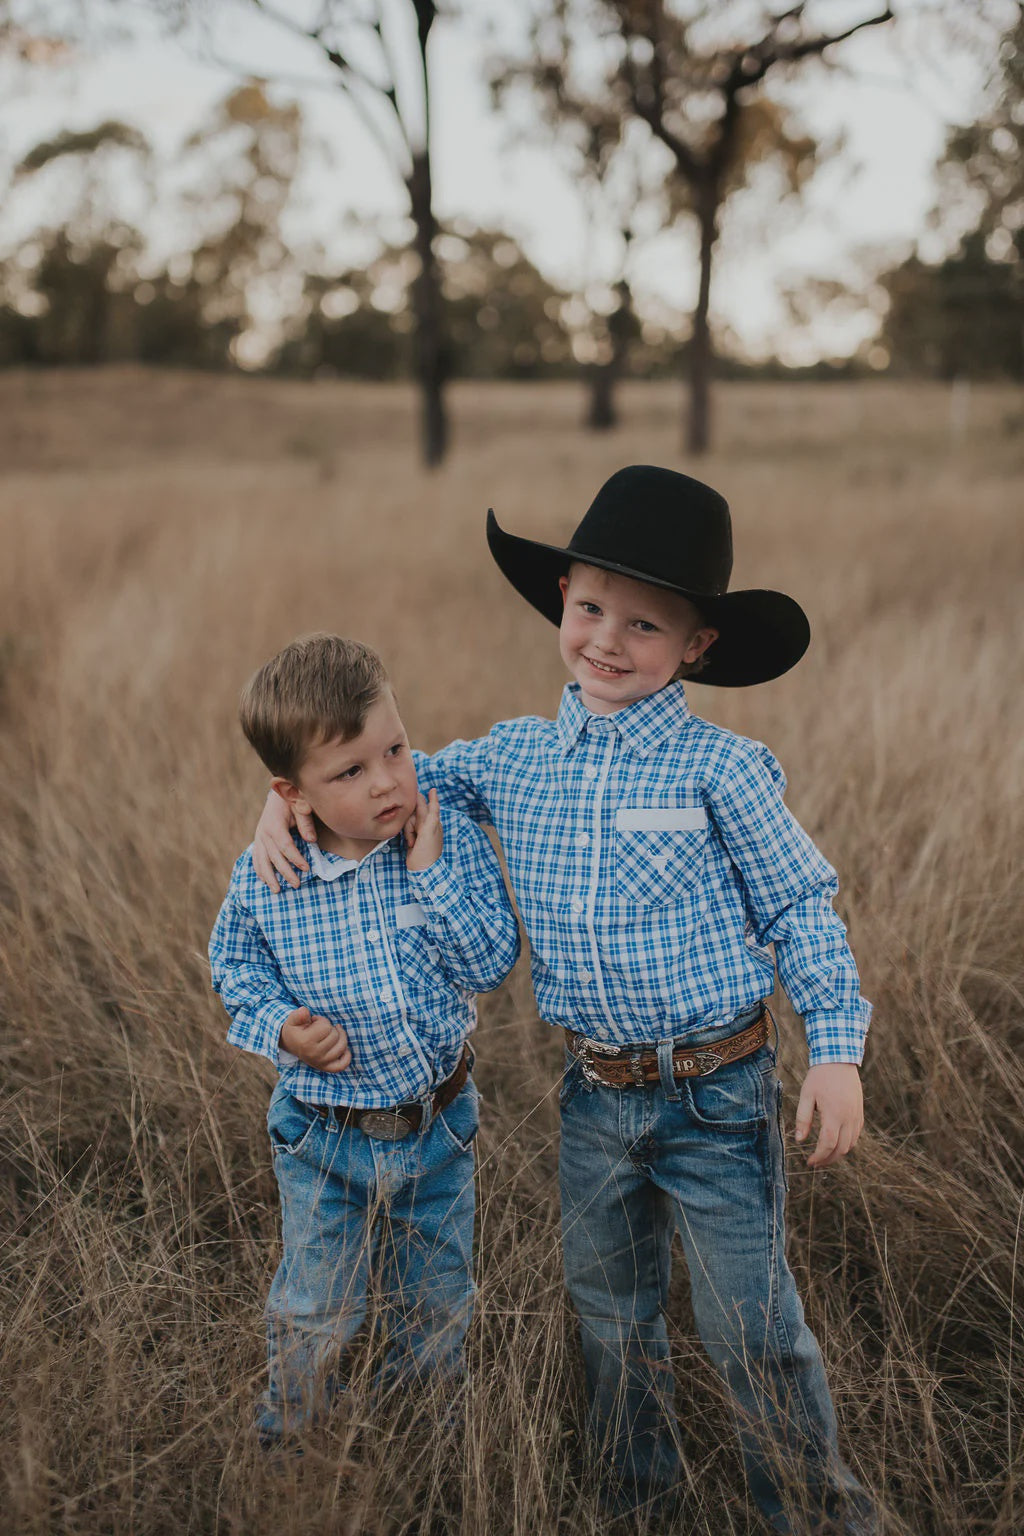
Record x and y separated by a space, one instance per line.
896 93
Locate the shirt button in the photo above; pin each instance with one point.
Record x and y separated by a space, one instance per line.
386 995
432 952
659 860
584 977
373 936
590 772
582 839
577 904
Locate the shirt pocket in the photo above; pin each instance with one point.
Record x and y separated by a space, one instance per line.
418 956
659 852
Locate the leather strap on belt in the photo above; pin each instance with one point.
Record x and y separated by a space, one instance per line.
622 1067
395 1124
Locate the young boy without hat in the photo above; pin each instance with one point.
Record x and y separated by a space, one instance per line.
358 985
654 863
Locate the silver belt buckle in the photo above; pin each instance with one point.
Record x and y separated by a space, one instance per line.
384 1124
588 1049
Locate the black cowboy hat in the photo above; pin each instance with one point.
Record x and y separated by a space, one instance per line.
671 531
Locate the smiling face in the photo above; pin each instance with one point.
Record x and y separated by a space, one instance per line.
622 639
362 791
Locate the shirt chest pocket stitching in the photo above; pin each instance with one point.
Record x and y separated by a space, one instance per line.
659 852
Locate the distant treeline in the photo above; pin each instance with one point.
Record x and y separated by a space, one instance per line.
66 302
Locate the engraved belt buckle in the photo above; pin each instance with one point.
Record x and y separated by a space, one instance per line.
586 1052
384 1124
705 1061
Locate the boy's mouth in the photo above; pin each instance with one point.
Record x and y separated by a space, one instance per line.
387 813
604 666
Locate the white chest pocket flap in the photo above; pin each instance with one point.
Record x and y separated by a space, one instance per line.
410 915
673 818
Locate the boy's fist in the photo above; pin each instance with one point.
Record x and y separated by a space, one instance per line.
424 839
316 1041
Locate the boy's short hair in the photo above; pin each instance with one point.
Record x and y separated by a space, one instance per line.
319 688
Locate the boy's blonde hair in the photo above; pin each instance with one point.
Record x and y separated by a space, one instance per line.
319 688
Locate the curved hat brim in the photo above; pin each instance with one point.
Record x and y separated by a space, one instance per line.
761 633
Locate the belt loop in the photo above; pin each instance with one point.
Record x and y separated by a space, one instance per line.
670 1088
427 1111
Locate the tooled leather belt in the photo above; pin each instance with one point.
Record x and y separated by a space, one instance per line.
395 1124
637 1066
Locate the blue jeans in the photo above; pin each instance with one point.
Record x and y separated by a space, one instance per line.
353 1206
704 1157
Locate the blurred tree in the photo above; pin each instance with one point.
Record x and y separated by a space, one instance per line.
689 72
362 41
84 292
962 317
504 319
246 155
965 314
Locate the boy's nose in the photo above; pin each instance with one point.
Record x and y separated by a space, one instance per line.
384 783
608 639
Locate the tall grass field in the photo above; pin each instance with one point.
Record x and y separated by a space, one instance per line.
161 535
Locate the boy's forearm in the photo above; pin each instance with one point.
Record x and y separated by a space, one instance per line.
478 937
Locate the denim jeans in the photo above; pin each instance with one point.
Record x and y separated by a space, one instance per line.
356 1209
704 1157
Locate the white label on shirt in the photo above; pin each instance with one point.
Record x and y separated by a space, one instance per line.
677 818
411 915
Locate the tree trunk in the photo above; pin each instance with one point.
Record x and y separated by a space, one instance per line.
430 353
602 413
698 433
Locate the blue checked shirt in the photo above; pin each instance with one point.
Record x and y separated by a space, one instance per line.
654 864
392 955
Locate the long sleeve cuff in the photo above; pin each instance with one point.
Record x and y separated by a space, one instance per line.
438 889
837 1037
261 1031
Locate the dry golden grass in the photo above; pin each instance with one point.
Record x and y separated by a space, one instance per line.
161 536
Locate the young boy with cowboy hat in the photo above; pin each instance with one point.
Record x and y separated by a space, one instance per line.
656 867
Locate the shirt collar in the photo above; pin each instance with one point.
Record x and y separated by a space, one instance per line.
328 866
641 725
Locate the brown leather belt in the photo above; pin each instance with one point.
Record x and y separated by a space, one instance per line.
622 1067
395 1124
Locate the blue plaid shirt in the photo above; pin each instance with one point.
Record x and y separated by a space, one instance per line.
392 955
654 863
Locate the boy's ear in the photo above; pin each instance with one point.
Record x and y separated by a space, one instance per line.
292 795
563 587
699 642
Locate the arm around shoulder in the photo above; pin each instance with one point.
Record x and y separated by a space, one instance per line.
467 907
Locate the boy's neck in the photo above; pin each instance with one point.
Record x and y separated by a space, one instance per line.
343 847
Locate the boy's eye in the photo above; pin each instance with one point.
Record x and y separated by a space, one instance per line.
646 627
397 749
348 773
590 608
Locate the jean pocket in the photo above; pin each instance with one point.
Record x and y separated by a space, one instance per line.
730 1099
460 1122
290 1123
572 1081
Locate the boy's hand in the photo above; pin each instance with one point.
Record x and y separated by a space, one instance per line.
834 1090
273 848
424 839
316 1041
